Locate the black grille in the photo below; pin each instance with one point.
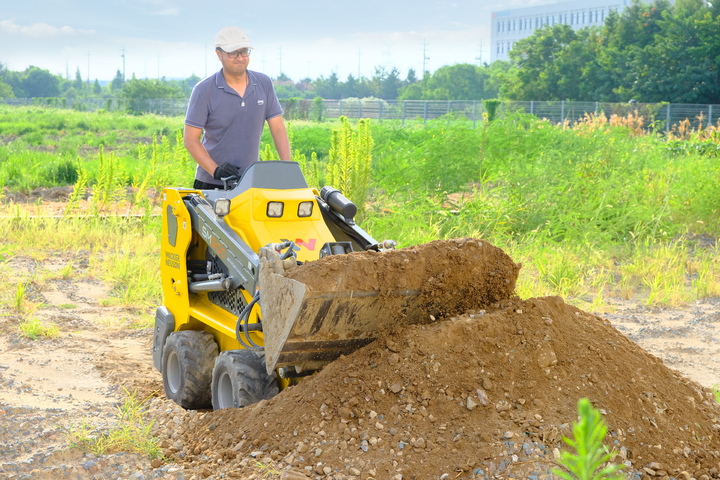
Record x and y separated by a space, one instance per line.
231 300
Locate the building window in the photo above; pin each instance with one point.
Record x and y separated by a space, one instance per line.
584 17
498 47
498 27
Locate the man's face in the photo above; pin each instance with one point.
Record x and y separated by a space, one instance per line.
232 62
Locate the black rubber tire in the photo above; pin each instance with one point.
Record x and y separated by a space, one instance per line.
240 379
187 364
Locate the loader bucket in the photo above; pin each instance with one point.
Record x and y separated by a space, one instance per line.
316 312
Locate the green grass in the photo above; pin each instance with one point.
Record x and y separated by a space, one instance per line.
67 306
593 213
131 433
35 330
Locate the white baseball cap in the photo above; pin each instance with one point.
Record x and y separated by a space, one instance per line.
231 39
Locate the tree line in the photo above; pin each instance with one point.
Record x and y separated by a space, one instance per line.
35 82
652 52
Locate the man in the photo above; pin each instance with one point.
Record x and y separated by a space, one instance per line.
232 107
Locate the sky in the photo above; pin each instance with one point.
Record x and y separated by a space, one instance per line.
175 39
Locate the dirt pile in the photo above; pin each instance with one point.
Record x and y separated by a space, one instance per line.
488 393
451 276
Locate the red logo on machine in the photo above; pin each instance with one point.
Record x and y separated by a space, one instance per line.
310 245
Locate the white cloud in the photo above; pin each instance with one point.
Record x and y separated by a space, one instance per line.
167 11
39 30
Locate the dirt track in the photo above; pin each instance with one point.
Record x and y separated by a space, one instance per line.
496 351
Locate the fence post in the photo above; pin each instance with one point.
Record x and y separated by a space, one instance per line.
403 114
667 122
562 112
709 116
596 108
340 108
474 112
425 113
380 111
532 107
448 114
359 109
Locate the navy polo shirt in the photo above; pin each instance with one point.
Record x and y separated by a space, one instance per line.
232 124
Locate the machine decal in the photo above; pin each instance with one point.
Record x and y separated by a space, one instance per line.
172 260
310 245
213 241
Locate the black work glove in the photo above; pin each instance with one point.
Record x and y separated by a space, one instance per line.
226 170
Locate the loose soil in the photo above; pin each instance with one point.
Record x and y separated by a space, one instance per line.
493 390
488 389
451 276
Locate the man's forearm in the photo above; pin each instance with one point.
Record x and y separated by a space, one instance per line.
201 156
280 138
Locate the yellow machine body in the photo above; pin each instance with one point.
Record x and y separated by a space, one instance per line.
248 217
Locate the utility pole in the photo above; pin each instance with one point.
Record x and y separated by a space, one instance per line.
280 56
123 57
359 54
479 57
88 72
425 57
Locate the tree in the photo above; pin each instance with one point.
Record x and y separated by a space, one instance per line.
349 88
135 91
386 83
117 82
543 66
37 82
78 82
6 90
96 88
411 77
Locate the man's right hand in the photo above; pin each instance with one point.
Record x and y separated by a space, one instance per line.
226 170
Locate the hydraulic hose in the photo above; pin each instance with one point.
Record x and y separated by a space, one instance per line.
246 313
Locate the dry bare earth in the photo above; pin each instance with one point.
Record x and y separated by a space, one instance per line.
47 385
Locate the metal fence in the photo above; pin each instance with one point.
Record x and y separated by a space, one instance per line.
661 116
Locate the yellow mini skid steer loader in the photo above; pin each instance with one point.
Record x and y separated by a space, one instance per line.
232 331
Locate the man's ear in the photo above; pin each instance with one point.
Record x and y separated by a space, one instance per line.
219 54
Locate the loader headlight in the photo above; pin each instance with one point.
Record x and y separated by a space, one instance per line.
222 207
305 209
275 209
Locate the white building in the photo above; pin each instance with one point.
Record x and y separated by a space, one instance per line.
509 26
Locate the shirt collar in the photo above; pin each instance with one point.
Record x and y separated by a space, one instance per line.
221 83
